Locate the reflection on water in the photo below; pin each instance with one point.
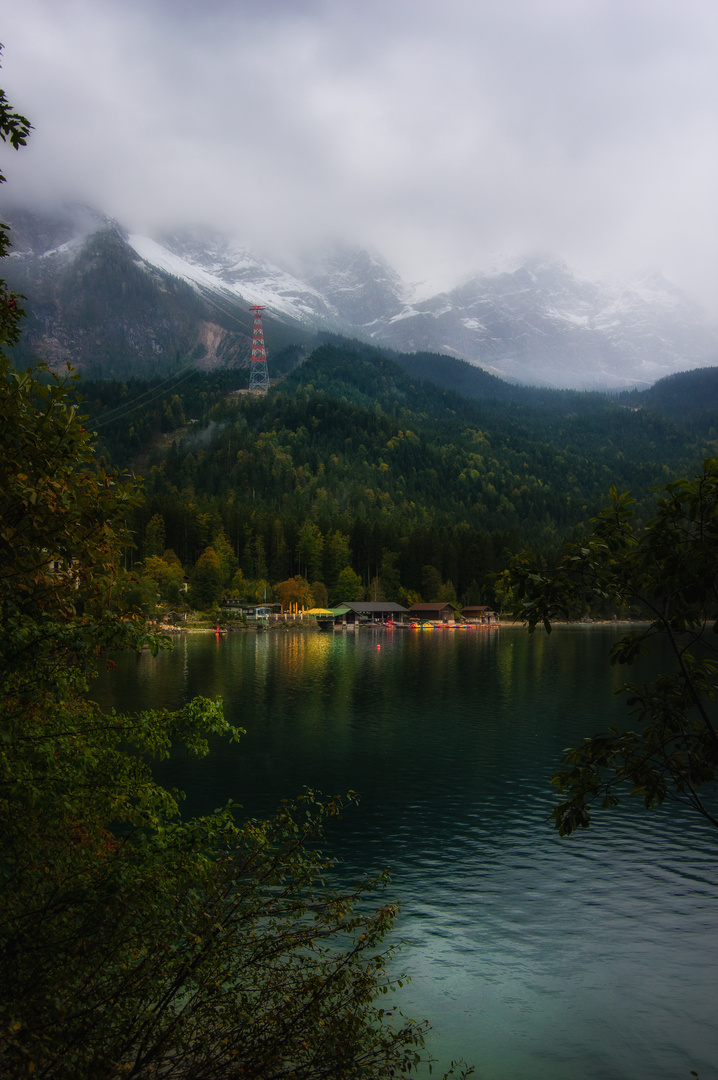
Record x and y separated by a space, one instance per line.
535 958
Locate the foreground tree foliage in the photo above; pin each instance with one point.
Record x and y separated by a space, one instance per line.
666 573
132 943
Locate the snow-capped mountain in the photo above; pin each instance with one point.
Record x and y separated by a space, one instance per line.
213 265
540 323
362 288
183 294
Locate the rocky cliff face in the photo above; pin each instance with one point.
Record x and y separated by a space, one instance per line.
92 301
116 303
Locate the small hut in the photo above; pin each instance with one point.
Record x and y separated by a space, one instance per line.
434 612
480 614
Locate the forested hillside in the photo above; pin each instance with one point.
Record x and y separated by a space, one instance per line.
690 399
351 462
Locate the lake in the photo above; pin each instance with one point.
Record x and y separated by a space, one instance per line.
535 958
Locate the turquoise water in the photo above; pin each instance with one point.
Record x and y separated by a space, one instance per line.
535 958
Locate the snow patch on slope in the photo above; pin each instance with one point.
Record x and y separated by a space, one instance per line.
241 278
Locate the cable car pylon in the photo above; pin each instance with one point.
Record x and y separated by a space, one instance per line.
258 373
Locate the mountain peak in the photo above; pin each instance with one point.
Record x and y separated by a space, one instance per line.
531 320
360 284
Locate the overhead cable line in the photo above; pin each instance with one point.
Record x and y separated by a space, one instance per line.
120 412
230 315
151 390
125 410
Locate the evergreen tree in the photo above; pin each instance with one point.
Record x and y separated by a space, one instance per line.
259 558
155 535
389 576
430 584
348 587
337 555
310 550
227 559
207 580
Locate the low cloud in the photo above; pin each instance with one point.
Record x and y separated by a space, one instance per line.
444 136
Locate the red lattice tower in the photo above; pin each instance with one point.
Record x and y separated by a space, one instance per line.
258 373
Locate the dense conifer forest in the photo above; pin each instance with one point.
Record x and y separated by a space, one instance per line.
419 474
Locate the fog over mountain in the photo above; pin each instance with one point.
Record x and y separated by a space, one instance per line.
443 136
115 301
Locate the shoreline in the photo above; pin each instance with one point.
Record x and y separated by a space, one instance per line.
307 627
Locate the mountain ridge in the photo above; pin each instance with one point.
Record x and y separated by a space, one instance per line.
538 323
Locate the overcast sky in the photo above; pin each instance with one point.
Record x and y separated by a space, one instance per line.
445 135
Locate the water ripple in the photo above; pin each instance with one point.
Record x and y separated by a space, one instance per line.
536 958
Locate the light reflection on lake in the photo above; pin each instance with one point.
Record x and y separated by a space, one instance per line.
535 958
